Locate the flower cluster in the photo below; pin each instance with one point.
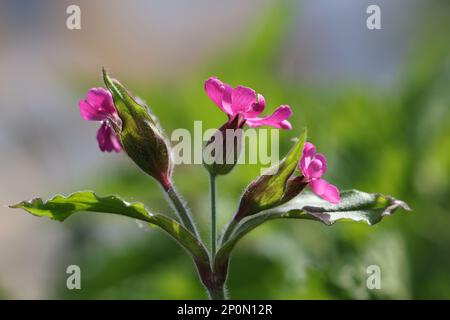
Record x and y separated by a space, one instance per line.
128 125
242 105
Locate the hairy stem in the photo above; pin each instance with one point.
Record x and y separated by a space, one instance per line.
228 231
212 181
183 212
217 293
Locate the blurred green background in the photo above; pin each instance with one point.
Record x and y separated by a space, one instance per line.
383 122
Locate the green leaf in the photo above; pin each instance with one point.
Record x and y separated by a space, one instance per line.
354 206
60 208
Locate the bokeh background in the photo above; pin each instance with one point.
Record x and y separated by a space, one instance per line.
375 102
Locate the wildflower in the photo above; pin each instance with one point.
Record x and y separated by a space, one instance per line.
242 106
247 103
99 106
313 165
280 184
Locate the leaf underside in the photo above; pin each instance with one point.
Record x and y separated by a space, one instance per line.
354 206
60 208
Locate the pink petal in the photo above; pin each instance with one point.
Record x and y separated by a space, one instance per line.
286 125
332 194
277 119
257 107
215 91
107 139
318 186
242 99
88 112
226 100
308 152
309 149
320 157
325 190
101 98
117 146
98 105
314 169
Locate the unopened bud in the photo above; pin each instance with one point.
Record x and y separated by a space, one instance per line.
140 134
222 151
275 187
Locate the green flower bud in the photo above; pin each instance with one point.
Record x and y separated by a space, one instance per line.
275 187
140 134
222 151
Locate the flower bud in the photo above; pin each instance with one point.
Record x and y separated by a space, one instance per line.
222 151
140 135
275 187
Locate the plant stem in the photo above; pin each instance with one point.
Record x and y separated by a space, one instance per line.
217 293
212 181
228 231
183 212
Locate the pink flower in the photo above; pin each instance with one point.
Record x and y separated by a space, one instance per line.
247 103
313 165
99 106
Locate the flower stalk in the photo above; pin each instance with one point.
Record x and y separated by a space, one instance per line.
212 182
217 293
182 210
